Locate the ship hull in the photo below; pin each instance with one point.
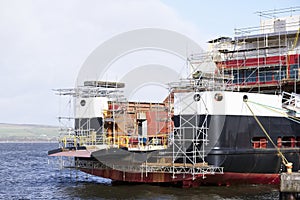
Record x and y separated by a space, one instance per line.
232 149
227 178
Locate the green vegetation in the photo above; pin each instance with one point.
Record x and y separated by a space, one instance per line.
25 132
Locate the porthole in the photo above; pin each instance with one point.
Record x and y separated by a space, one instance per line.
82 102
197 97
245 98
218 97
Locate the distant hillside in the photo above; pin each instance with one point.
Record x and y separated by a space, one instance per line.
28 132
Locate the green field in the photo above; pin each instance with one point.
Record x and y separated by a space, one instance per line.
25 132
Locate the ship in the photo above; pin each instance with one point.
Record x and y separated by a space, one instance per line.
237 124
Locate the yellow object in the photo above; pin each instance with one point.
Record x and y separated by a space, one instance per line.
123 141
289 167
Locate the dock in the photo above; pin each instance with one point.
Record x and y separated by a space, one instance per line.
289 186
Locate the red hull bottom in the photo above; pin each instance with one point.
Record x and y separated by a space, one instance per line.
228 178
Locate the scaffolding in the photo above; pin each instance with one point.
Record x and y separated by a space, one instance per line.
193 154
84 132
179 150
187 142
121 124
263 58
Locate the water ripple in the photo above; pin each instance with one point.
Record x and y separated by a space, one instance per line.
26 174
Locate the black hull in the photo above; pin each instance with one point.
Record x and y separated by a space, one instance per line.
231 143
230 146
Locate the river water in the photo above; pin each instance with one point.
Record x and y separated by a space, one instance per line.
26 174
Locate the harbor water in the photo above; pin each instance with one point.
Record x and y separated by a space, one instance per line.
26 174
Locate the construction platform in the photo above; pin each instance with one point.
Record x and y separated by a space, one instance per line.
289 186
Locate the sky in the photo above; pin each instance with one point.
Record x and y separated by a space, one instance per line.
43 43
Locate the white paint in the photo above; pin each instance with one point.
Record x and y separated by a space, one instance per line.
94 107
144 128
290 23
231 104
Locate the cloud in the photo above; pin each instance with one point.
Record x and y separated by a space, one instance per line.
44 43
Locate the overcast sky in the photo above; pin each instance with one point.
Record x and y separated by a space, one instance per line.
45 42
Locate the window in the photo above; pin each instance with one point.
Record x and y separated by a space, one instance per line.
276 75
235 80
294 71
269 76
279 142
288 141
251 76
259 142
298 142
241 76
279 72
283 74
262 76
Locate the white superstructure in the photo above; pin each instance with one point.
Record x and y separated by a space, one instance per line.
226 103
90 107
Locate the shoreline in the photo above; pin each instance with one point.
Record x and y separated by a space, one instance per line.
2 142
